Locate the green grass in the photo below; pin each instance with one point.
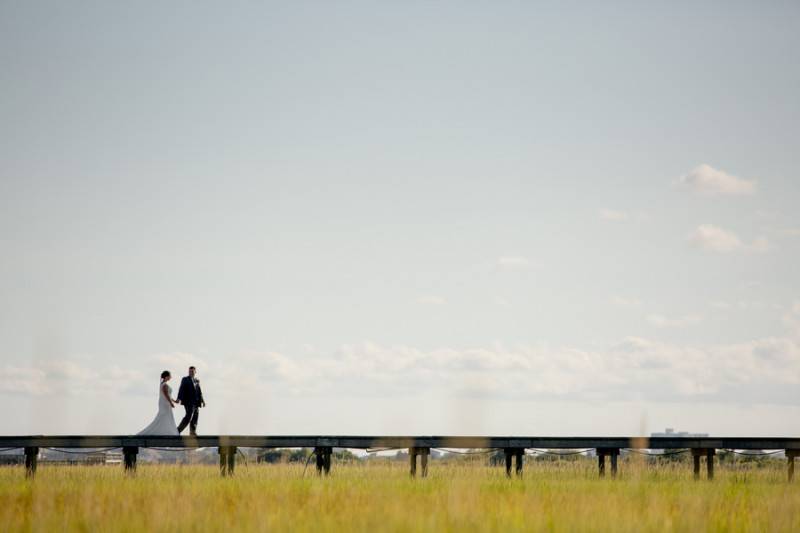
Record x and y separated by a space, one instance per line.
559 496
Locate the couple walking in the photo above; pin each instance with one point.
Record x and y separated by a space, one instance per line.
189 394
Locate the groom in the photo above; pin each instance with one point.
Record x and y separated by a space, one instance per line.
191 397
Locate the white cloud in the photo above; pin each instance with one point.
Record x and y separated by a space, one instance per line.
705 179
27 380
180 361
70 377
759 245
635 369
763 370
661 321
791 319
431 300
501 301
621 301
742 305
514 262
715 239
613 216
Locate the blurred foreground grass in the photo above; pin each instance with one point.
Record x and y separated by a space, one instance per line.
558 496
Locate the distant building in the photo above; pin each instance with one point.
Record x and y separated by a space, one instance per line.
113 458
670 432
12 459
16 457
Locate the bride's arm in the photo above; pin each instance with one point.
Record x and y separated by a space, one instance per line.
165 392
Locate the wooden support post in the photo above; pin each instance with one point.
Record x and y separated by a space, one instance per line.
223 459
227 460
323 454
514 455
790 455
31 456
708 453
129 454
614 454
319 460
710 463
601 458
423 452
231 460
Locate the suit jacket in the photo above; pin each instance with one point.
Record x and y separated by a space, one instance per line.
189 393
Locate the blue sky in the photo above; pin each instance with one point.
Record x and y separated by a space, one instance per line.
419 217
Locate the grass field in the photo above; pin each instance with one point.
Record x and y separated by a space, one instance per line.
558 496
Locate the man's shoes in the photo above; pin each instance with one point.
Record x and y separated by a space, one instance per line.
192 434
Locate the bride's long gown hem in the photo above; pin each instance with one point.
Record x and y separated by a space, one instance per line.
164 422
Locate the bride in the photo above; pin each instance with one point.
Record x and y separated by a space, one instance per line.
164 422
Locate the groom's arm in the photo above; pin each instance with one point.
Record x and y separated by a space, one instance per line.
200 399
181 391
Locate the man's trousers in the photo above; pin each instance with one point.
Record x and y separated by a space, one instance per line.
192 414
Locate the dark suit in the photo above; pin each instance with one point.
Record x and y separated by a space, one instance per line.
191 396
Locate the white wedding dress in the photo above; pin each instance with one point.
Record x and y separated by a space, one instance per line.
164 423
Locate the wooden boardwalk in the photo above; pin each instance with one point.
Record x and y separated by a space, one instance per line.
418 446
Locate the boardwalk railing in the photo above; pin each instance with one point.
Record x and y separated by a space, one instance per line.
513 447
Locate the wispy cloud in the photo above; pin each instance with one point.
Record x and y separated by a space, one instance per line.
501 301
431 300
705 179
661 321
757 371
743 305
512 262
25 380
622 216
613 215
621 301
65 376
715 239
181 361
763 370
791 319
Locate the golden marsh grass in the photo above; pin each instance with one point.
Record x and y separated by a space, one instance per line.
469 496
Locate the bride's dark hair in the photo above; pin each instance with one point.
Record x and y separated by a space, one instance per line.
165 373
